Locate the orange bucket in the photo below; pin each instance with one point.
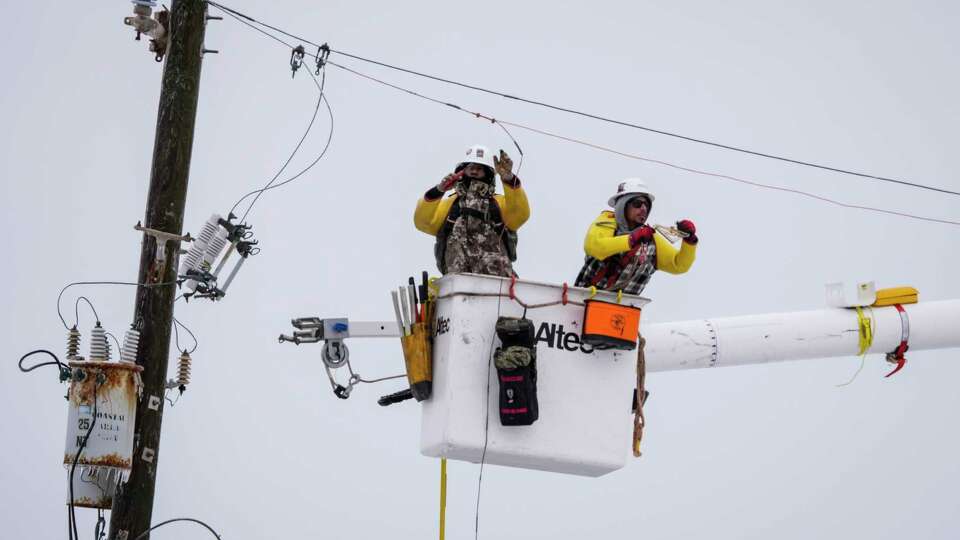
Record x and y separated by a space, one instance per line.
610 326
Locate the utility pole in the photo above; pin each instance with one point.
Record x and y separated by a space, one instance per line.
133 503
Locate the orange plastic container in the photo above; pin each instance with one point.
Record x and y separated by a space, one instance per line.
610 326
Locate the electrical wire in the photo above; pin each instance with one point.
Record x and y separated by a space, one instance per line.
439 102
56 361
59 296
72 516
241 16
167 522
76 310
260 192
176 334
502 123
318 158
486 423
117 341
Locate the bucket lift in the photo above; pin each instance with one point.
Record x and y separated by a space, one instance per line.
585 392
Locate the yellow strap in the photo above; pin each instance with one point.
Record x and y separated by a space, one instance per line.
619 295
593 292
443 496
866 332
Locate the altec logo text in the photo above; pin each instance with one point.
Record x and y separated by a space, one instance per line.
553 335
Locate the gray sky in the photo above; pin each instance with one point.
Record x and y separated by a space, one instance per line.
259 447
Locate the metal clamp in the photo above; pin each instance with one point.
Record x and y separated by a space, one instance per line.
162 238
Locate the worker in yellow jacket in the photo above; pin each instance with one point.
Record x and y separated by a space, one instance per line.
476 228
623 252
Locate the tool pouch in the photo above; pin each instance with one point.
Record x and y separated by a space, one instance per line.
516 363
418 360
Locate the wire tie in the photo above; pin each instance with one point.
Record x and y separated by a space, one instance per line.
564 295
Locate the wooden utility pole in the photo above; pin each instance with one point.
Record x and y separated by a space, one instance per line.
153 312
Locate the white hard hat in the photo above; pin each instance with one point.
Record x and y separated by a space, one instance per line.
478 154
631 186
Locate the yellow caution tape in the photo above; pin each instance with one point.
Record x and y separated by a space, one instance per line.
866 332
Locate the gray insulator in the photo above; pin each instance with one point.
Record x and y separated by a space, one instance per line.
73 343
131 344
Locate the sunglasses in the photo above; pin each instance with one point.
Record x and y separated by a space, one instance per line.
638 203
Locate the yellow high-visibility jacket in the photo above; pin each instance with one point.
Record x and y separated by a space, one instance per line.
602 242
431 214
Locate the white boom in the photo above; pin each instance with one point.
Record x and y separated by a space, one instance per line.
777 337
772 337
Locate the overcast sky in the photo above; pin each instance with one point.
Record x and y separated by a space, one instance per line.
260 448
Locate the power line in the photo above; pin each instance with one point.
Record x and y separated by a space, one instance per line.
320 99
241 16
650 160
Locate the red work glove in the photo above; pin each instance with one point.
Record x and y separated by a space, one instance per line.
687 226
449 180
642 234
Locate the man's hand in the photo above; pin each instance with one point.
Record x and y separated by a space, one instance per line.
641 235
687 226
448 181
504 167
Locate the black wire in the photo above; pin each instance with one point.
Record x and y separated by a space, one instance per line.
162 523
240 16
73 514
59 296
117 341
259 192
196 343
486 425
315 161
76 310
56 361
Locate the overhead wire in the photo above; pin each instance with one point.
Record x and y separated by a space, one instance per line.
323 152
245 18
637 157
504 123
259 192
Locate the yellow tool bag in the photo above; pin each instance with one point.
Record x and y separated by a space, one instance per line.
417 356
896 295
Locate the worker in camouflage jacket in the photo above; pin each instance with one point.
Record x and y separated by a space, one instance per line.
476 228
623 252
